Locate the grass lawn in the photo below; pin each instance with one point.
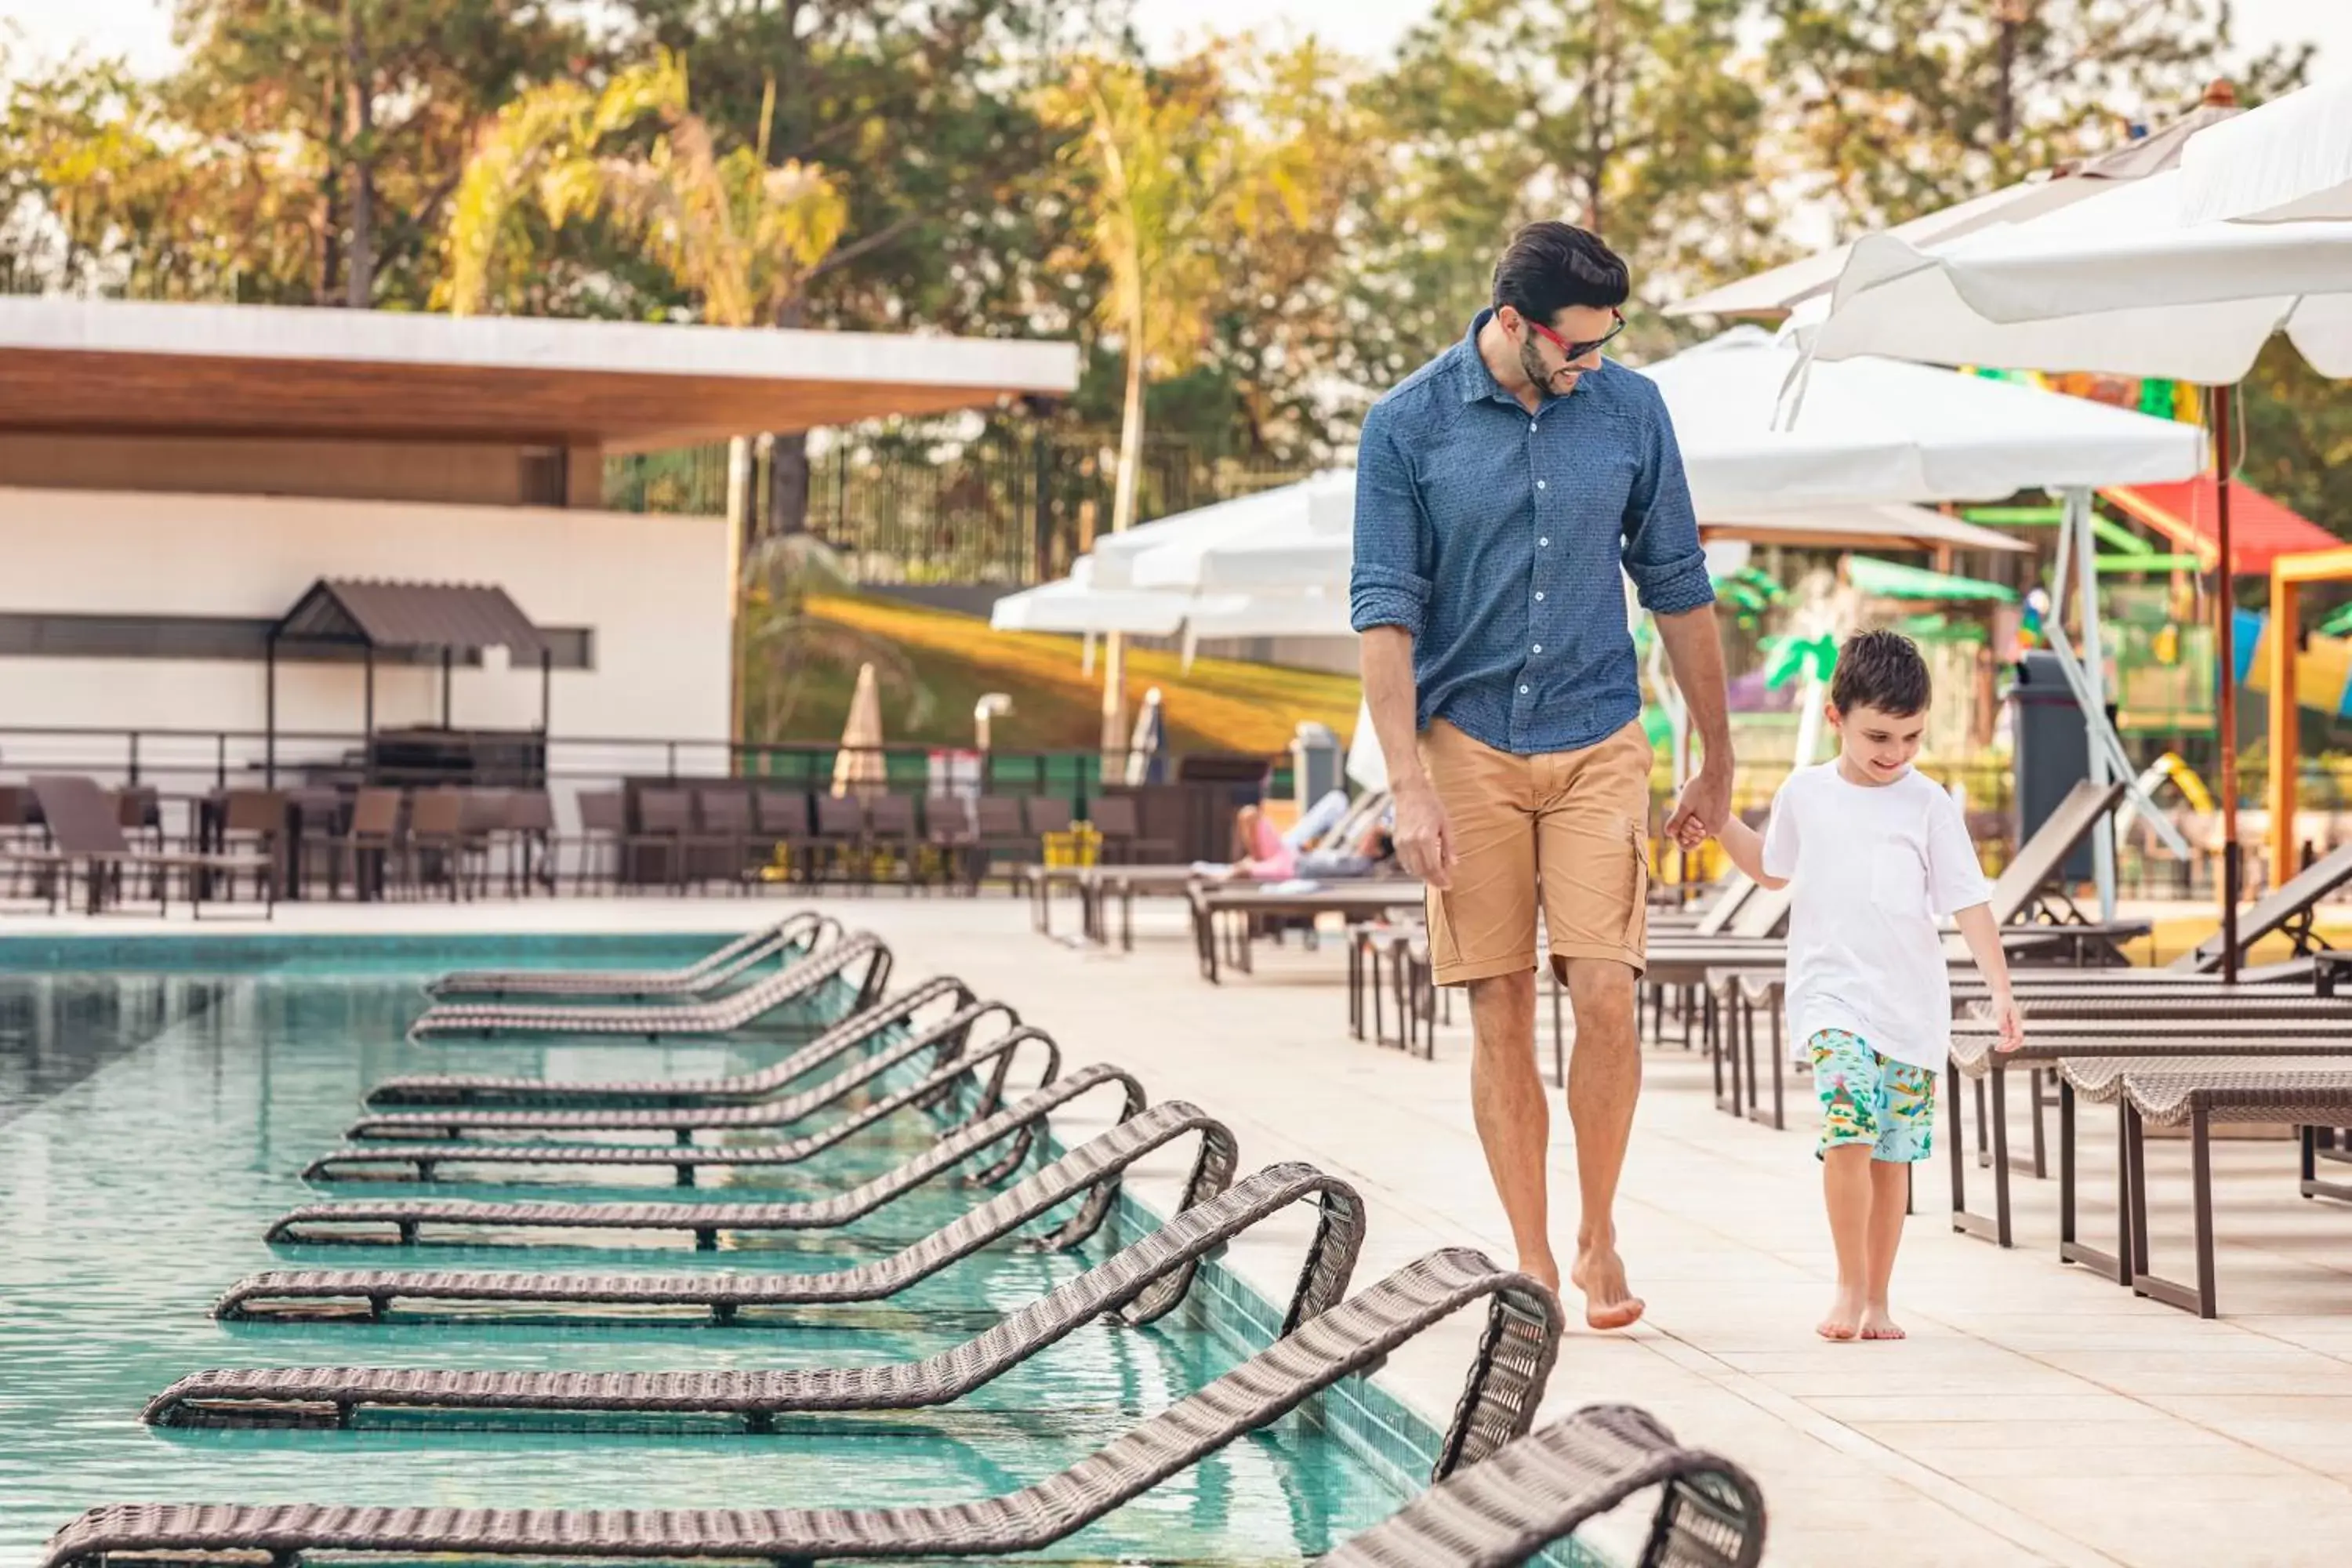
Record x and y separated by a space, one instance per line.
1218 705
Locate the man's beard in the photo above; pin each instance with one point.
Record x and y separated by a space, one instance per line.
1532 366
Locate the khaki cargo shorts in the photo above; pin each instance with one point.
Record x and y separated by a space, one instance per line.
1569 829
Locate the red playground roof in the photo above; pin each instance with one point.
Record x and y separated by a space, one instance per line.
2186 513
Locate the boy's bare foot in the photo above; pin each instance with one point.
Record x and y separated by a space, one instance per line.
1877 1325
1609 1302
1844 1319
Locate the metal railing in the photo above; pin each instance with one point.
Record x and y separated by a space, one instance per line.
1011 506
185 763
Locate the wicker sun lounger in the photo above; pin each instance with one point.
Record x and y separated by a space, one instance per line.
1139 1284
943 1041
1092 1172
2291 909
2198 1092
858 1028
788 939
431 1161
1020 1124
1973 1058
655 1021
1539 1489
1506 1382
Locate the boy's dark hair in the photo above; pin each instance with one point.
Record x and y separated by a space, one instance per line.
1881 671
1549 266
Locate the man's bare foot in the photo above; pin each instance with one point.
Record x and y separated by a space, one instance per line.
1844 1319
1877 1325
1609 1302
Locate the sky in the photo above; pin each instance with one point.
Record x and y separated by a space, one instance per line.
141 29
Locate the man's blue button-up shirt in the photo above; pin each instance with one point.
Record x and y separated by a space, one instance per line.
1494 536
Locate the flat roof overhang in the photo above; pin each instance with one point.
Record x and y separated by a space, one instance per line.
139 367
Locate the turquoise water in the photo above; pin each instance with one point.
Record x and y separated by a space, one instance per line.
150 1126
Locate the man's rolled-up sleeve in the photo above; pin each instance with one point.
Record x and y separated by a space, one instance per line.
1661 549
1389 585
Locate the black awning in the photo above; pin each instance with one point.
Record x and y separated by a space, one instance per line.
458 617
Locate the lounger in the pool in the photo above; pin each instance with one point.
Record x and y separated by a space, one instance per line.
858 1028
1091 1173
655 1021
1506 1377
786 939
429 1160
1139 1284
1016 1128
943 1041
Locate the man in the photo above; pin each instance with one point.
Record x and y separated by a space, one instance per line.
1499 489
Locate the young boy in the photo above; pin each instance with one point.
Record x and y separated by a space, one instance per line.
1877 854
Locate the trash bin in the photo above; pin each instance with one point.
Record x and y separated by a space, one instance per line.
1315 760
2053 748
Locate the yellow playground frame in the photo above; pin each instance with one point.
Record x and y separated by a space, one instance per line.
2288 574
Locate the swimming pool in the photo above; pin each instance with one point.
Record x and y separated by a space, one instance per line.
153 1123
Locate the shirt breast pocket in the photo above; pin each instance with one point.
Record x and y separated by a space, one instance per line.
1606 470
1898 882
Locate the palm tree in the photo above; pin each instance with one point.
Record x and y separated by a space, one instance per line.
740 234
1167 177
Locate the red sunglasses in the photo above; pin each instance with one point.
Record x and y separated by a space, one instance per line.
1576 351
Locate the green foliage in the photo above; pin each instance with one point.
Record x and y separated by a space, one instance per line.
734 232
1317 225
1888 109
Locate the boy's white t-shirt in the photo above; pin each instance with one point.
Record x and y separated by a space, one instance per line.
1875 868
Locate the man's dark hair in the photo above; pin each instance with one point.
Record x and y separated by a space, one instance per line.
1881 671
1552 266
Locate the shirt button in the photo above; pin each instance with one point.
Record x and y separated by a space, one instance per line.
1523 692
1531 427
1539 484
1538 595
1536 647
1545 542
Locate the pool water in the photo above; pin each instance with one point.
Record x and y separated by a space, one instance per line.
152 1125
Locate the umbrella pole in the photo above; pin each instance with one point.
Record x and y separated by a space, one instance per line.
2086 572
2224 637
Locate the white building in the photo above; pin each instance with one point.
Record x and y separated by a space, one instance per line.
173 478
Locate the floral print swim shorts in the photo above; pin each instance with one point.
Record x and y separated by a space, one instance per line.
1867 1099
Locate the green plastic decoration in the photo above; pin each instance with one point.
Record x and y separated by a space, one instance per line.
1793 659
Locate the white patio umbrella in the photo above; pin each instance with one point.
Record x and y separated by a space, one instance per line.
859 767
1313 612
1280 566
1784 287
1076 606
1870 437
1283 564
2116 283
1166 553
1882 430
2289 160
1889 525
